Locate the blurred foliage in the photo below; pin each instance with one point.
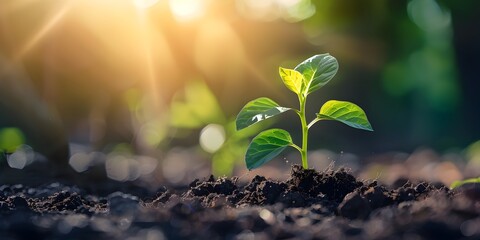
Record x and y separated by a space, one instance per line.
197 108
473 152
11 139
100 73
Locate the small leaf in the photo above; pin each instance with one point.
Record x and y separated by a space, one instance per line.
345 112
292 79
317 71
258 110
265 146
458 183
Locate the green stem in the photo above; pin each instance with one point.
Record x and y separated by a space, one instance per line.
296 147
303 120
313 122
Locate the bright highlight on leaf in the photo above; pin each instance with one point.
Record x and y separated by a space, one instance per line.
265 146
292 79
345 112
317 71
307 77
258 110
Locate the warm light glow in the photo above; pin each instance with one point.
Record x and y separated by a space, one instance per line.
131 42
185 10
118 44
13 6
104 48
269 10
212 36
143 4
44 30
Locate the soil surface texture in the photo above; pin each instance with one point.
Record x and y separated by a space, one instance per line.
309 205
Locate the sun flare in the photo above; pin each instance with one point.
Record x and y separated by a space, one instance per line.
156 46
186 10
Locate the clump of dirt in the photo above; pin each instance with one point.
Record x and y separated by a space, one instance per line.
304 188
211 186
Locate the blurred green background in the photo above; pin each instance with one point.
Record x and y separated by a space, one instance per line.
150 77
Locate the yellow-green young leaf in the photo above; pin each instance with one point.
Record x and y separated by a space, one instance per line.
317 71
258 110
345 112
265 146
292 79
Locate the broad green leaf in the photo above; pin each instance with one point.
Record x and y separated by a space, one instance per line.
345 112
258 110
292 79
317 71
265 146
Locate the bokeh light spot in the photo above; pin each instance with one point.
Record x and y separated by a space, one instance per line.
212 137
185 10
428 15
117 168
79 161
21 158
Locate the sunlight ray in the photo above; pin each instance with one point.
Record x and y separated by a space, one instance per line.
149 59
43 31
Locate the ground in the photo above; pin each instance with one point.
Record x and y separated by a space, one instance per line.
309 205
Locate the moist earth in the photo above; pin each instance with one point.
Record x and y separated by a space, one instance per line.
309 205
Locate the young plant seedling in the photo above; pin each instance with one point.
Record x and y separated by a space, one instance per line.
306 78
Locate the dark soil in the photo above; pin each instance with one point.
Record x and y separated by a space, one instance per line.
309 205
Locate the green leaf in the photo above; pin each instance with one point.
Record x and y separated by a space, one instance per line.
265 146
258 110
457 183
345 112
292 79
317 71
